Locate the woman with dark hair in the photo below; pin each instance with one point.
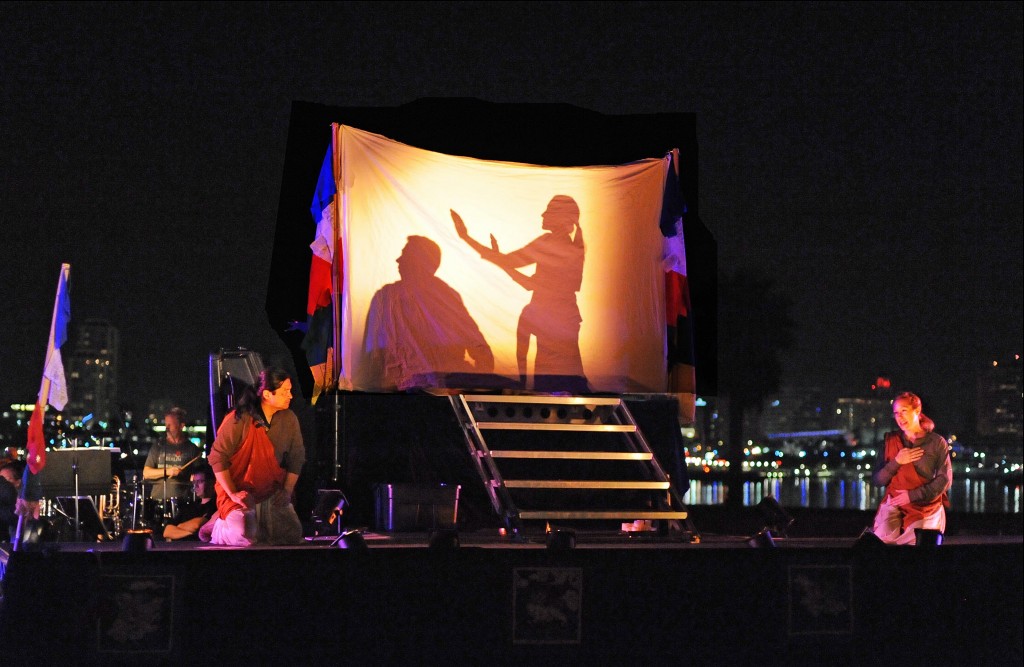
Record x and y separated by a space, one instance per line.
916 470
256 458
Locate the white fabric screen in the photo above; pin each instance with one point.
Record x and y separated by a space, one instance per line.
462 325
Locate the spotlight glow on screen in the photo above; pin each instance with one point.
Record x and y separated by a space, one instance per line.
516 275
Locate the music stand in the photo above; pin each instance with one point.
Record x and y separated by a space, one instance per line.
76 472
88 516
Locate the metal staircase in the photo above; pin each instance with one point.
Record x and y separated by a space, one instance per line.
567 459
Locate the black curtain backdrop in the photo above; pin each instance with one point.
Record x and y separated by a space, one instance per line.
546 134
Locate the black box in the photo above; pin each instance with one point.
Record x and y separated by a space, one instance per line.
415 507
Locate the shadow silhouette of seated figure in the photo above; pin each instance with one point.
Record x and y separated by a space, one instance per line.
418 331
552 317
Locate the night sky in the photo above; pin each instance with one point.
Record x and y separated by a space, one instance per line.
867 155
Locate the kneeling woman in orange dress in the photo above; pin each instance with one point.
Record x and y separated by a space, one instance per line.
257 458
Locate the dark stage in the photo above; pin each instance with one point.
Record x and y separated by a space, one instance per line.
617 598
818 596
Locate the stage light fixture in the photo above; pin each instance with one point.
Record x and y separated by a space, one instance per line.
762 540
137 541
330 506
868 539
561 539
776 519
444 539
352 540
927 537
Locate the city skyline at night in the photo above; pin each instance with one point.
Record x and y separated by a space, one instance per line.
868 159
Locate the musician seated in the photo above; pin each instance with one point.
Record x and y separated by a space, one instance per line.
169 460
196 512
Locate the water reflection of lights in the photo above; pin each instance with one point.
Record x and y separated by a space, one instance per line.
966 495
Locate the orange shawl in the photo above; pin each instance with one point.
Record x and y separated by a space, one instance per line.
905 479
253 468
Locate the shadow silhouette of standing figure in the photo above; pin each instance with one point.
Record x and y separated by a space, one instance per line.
418 331
552 316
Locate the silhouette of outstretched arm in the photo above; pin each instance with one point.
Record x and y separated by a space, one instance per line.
508 263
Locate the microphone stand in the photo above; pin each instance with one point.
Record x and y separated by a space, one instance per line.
139 491
163 503
74 471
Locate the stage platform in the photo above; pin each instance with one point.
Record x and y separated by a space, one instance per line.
615 599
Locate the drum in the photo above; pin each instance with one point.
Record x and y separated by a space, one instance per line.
152 513
158 513
171 508
131 506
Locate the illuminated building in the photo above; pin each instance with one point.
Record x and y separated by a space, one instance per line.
797 409
999 406
92 369
866 419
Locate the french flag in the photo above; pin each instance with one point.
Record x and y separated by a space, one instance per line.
54 388
682 372
318 342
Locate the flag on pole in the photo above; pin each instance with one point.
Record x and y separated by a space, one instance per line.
53 389
682 372
58 397
318 341
36 444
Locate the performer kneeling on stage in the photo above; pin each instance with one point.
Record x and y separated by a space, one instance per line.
916 470
256 458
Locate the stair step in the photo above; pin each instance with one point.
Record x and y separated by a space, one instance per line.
543 426
520 424
618 515
544 400
582 484
590 456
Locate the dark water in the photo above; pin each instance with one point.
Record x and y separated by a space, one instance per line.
966 495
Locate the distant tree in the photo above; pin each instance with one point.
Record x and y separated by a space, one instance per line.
755 326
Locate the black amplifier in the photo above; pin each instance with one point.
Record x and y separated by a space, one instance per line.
415 507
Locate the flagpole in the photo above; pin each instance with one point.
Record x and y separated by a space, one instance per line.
336 261
44 390
334 354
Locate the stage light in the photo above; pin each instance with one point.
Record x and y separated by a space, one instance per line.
444 539
763 540
926 537
330 506
776 519
352 540
868 539
137 541
561 539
